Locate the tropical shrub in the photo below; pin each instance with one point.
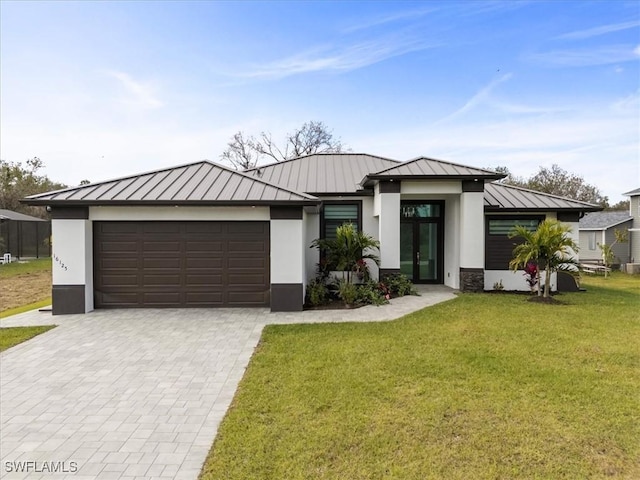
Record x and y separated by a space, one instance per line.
549 246
398 285
317 292
348 251
347 292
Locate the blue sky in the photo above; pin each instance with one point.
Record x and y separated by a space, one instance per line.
103 89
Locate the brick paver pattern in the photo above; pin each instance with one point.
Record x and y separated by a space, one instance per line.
136 394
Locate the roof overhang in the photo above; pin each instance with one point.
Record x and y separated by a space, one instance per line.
371 180
162 203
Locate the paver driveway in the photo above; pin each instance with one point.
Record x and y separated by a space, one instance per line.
134 393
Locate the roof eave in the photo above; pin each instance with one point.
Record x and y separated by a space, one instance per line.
370 179
165 203
495 208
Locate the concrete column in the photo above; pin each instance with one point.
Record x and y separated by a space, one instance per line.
389 227
472 240
72 270
288 268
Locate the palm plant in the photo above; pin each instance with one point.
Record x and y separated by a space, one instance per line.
549 246
348 250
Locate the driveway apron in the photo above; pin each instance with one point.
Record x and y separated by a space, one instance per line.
124 394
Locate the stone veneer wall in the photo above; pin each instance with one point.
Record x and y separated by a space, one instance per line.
472 279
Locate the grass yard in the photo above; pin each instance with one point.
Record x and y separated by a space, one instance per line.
14 335
24 284
484 386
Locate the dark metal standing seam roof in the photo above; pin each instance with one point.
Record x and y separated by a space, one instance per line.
603 220
323 173
429 168
498 196
199 183
20 217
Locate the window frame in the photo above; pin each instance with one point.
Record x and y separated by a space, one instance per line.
498 248
323 223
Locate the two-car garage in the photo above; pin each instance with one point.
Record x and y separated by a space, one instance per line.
181 264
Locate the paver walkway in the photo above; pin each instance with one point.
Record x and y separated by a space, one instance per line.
124 394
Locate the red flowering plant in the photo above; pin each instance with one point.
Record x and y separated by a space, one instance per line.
531 275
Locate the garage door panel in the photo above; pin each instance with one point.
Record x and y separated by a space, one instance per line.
118 263
121 299
194 263
243 246
124 280
201 280
161 227
247 262
162 280
259 228
161 262
204 246
159 299
115 246
178 264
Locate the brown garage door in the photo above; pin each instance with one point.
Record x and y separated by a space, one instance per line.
181 264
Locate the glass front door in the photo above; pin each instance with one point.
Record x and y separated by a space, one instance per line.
421 241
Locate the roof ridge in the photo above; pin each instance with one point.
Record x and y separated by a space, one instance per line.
413 160
537 192
272 164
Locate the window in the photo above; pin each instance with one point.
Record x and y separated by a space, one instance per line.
420 210
336 214
592 240
498 246
506 226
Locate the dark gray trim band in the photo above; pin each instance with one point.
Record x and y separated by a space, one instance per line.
286 297
472 270
568 216
390 187
69 213
473 186
68 299
285 213
388 271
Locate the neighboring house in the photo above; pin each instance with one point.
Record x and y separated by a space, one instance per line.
634 231
24 236
202 235
598 228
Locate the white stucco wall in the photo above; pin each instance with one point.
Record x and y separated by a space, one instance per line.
185 213
371 226
434 187
452 241
472 230
512 281
287 251
389 230
72 255
312 255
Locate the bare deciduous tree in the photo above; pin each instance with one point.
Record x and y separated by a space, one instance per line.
244 152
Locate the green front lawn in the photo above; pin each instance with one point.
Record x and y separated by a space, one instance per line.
11 336
484 386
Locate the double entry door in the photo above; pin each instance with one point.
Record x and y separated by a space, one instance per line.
422 241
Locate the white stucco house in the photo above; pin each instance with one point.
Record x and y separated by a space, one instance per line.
203 235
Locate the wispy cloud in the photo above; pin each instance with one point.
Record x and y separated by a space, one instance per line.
345 59
586 57
601 30
389 18
481 96
140 94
